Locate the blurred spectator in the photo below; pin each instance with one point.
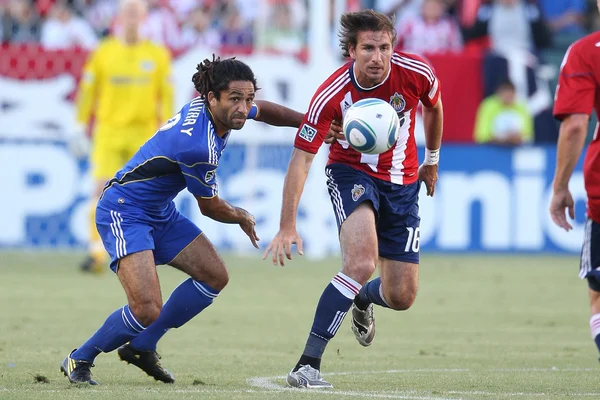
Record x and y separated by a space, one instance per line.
283 28
512 25
235 30
503 120
22 23
430 31
516 32
62 30
161 25
100 14
197 30
565 16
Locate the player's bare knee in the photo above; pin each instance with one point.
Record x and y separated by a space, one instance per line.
146 312
217 277
400 300
360 270
219 280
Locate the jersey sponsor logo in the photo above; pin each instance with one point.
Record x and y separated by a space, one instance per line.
307 133
397 101
357 192
147 65
210 175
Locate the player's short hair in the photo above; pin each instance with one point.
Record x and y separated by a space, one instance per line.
215 76
505 84
368 20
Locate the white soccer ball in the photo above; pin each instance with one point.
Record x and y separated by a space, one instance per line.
371 126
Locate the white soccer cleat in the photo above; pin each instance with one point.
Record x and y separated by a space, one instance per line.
307 378
363 324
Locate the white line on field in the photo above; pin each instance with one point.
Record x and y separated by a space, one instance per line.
267 383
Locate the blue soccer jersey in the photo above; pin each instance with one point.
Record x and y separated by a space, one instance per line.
183 153
136 211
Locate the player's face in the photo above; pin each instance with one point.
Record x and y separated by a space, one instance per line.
232 109
132 13
372 56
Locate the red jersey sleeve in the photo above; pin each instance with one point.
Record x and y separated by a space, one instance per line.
430 84
316 122
576 84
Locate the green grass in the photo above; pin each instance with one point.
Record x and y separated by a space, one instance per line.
485 327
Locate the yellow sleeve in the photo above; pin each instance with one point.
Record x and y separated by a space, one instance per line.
483 122
165 85
88 87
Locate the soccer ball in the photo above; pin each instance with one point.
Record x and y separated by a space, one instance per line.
371 126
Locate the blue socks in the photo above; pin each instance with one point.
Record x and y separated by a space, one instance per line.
186 301
371 293
331 310
117 330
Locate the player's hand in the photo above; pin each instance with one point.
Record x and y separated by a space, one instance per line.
78 142
248 223
334 133
561 201
282 244
429 175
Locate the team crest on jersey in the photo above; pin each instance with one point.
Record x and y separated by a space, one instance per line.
397 101
307 133
358 191
210 175
147 65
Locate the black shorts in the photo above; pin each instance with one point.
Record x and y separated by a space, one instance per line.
589 266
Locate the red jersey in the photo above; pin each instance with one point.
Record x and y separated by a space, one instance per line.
409 81
578 92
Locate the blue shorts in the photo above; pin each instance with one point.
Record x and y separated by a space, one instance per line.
590 255
396 209
126 229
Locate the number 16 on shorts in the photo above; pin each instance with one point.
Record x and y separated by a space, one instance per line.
414 239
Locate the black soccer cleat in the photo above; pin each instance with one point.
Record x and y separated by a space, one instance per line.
147 361
77 371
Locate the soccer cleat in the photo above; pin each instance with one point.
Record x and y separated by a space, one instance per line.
147 361
77 371
363 324
307 378
92 266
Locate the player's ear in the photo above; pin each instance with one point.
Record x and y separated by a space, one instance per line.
212 99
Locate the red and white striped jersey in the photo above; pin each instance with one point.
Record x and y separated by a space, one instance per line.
409 81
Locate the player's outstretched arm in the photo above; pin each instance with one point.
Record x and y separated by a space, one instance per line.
277 115
433 118
221 211
295 178
571 138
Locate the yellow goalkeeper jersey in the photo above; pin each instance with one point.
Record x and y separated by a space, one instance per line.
125 85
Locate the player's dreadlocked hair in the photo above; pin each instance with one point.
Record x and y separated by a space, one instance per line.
368 20
214 76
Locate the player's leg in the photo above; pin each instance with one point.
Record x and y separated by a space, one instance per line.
105 161
353 198
192 253
398 238
137 273
589 262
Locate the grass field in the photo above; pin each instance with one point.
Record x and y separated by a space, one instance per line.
482 328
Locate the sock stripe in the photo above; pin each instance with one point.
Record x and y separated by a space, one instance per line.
595 325
202 289
126 314
346 285
337 321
